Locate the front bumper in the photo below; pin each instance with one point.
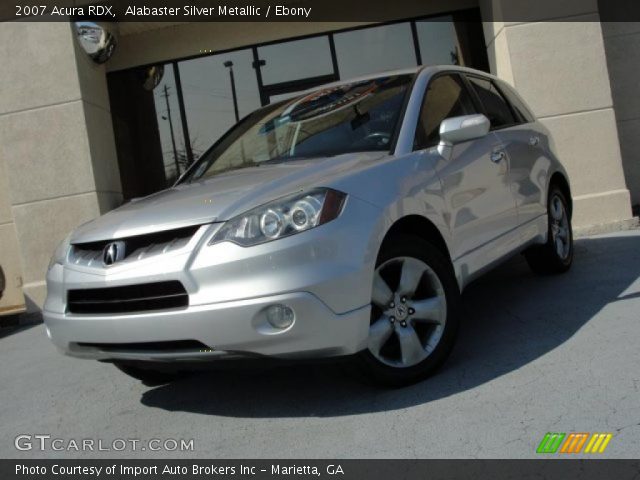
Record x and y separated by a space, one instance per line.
227 329
324 275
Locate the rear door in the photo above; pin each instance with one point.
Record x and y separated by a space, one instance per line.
530 162
475 177
513 124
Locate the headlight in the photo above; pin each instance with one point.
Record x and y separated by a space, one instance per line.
61 252
282 218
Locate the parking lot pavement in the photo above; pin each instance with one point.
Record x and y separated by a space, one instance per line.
535 354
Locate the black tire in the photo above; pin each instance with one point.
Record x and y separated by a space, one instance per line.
545 259
391 376
2 282
149 376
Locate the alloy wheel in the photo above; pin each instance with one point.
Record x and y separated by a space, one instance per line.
408 313
560 233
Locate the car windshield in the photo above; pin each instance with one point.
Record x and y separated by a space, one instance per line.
351 117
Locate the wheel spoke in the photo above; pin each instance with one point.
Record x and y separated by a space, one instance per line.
410 346
563 234
556 209
559 247
382 294
428 309
379 333
410 277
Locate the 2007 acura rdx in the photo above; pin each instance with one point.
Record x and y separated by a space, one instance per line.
344 221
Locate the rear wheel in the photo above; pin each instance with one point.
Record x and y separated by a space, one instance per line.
555 256
149 376
414 313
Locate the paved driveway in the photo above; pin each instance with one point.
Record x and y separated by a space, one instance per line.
535 354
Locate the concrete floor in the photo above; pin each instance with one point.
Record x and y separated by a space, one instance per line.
535 354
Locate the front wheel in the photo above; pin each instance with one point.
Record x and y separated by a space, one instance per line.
555 256
414 313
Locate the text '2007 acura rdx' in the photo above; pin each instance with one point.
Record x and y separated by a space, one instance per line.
343 222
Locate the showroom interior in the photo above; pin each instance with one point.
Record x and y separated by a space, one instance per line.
78 139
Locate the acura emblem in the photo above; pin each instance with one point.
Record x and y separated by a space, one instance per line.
113 252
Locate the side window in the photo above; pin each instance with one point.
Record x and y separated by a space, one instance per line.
446 97
494 103
518 106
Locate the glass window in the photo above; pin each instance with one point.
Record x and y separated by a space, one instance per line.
446 97
494 103
208 96
283 96
147 120
438 42
360 116
376 49
167 111
142 101
518 106
288 61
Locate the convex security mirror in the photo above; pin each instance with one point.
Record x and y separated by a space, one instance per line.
98 41
461 129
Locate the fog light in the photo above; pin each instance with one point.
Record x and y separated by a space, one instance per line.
279 316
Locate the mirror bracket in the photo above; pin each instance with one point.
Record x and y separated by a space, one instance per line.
445 149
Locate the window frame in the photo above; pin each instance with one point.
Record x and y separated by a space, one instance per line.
484 111
503 87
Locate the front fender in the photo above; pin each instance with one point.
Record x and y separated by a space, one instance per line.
399 187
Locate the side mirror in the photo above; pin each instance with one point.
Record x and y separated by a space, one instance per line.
460 129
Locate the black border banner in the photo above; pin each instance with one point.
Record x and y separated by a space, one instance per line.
314 469
306 10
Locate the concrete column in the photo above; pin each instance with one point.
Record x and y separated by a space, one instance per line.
560 68
622 44
56 141
11 299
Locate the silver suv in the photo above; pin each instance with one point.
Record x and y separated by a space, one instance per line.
345 221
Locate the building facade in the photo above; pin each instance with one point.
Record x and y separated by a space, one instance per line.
77 139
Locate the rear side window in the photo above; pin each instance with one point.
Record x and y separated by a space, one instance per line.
445 97
518 106
494 103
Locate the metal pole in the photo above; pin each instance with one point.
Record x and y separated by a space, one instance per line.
173 140
257 64
183 114
229 65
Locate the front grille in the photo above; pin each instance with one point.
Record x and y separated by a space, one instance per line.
173 346
136 248
129 298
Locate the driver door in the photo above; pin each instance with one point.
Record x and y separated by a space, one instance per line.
480 208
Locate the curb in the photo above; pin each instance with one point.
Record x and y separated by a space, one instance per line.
619 226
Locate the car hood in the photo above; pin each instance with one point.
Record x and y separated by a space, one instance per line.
221 197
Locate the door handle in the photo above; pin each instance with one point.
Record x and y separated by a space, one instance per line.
534 141
498 156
